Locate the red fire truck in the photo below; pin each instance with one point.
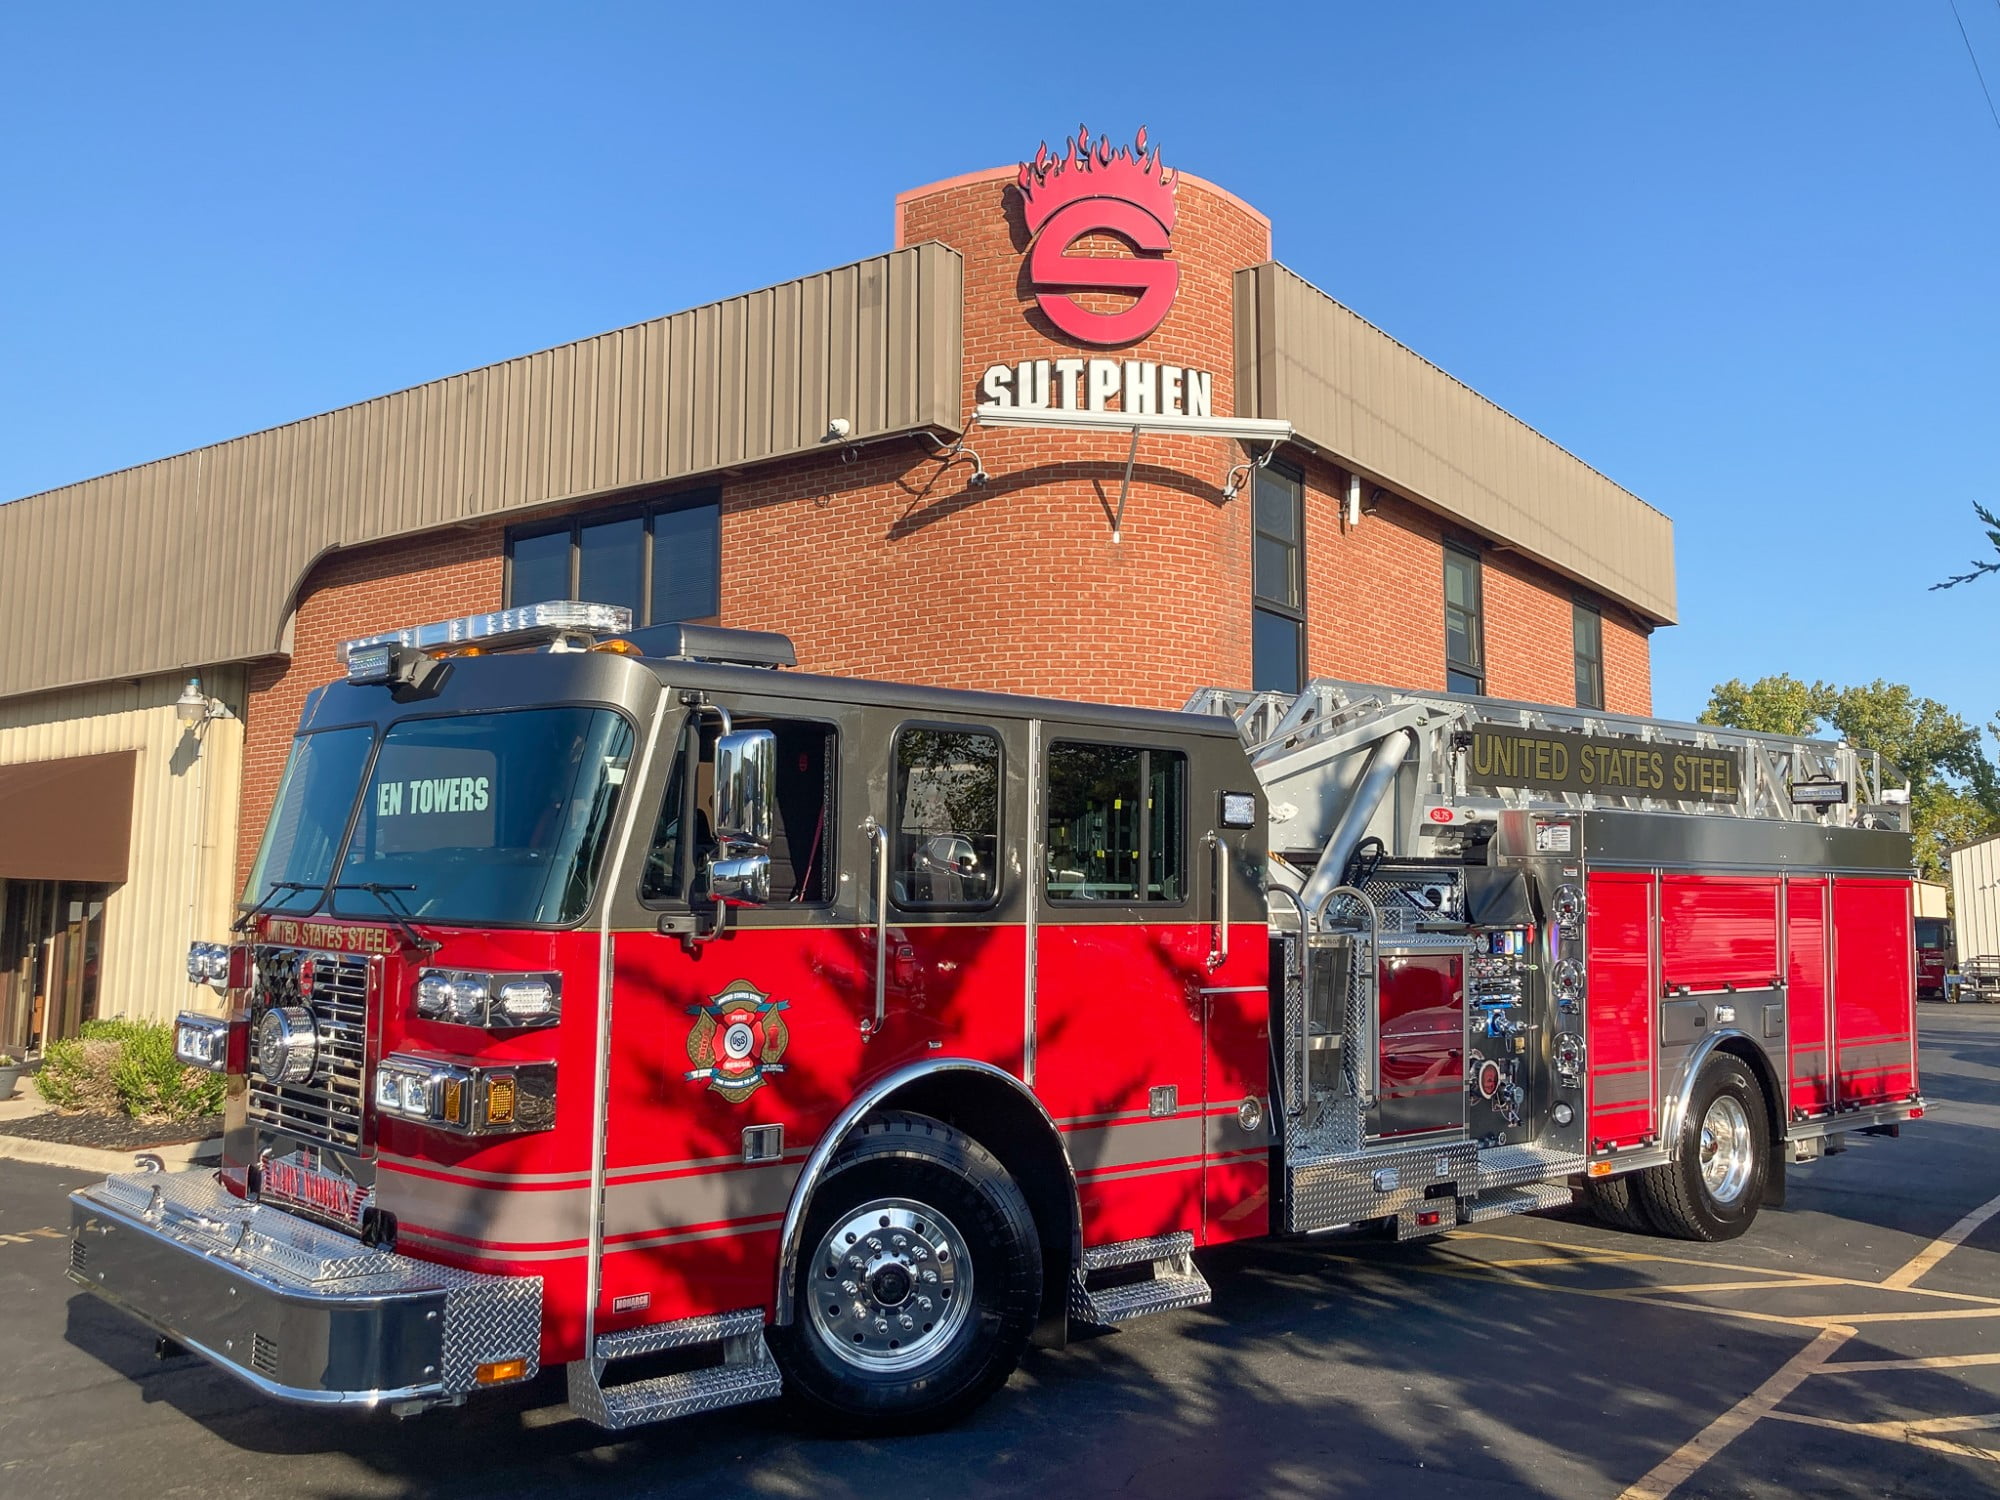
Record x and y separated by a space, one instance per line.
619 999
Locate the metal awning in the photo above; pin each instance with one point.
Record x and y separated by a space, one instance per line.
67 819
1270 431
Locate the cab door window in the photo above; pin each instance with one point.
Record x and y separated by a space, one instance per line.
802 857
944 819
1117 823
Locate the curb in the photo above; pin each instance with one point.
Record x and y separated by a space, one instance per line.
111 1163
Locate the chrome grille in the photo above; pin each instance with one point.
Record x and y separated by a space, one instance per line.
329 1107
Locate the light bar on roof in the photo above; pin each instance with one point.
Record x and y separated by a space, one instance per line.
527 624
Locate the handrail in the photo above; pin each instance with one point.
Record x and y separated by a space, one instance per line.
1296 1102
878 855
1370 1061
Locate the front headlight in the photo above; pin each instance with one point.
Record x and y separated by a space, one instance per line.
492 1002
201 1042
467 1098
209 964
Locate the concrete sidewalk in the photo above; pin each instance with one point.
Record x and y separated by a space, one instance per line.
28 1102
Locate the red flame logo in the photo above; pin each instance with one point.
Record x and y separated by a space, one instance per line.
1101 190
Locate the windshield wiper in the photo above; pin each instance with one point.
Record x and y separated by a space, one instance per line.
398 912
264 903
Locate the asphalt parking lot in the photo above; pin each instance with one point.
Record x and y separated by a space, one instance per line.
1848 1346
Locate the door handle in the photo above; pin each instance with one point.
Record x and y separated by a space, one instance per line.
878 865
1218 953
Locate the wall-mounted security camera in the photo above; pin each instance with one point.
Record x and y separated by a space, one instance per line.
838 428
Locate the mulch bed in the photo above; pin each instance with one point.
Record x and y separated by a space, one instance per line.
111 1132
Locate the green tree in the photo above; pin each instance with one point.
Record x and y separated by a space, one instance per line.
1770 705
1980 566
1954 787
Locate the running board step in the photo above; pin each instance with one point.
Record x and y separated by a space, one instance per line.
1172 1282
746 1372
1527 1199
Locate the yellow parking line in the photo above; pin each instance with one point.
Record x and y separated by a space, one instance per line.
1686 1460
1923 1362
1803 1277
1741 1286
1913 1434
1943 1245
1666 1476
1940 1315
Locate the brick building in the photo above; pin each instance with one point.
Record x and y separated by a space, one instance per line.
1076 433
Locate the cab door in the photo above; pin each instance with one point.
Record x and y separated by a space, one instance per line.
730 1050
1122 954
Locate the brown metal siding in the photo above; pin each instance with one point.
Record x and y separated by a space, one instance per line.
1355 393
195 558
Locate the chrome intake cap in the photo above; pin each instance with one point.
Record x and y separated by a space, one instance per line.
286 1045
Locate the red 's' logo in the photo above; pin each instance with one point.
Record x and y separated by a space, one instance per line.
1099 190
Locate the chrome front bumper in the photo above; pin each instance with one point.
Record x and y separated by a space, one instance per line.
297 1311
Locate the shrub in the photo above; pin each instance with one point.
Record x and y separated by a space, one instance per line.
129 1067
76 1074
153 1084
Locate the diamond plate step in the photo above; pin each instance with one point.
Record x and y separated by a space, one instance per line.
1510 1166
1498 1203
1174 1283
665 1397
747 1372
1131 1252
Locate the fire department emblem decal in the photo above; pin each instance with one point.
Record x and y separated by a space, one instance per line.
738 1040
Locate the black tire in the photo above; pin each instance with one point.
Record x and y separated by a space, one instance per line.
1679 1197
1616 1205
929 1199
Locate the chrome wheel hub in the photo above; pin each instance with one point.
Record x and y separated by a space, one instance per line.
1727 1154
891 1284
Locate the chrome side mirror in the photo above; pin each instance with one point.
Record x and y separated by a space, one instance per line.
746 773
743 880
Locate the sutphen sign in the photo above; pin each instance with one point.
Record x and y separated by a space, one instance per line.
1099 190
1613 765
1138 386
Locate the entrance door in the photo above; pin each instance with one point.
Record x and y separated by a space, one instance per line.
51 946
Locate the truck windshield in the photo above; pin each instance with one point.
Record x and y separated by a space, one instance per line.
487 818
295 861
493 817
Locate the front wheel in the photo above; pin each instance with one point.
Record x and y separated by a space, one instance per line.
1712 1188
918 1285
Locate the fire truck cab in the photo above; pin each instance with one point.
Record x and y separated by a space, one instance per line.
622 1000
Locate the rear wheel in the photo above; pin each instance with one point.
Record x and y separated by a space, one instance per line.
1616 1204
918 1284
1713 1187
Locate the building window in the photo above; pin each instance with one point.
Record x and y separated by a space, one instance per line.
1277 625
1117 823
1588 632
662 561
1464 627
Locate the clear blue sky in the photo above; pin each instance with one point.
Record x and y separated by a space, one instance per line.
1740 257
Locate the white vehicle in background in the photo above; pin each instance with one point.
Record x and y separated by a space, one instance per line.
1975 899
